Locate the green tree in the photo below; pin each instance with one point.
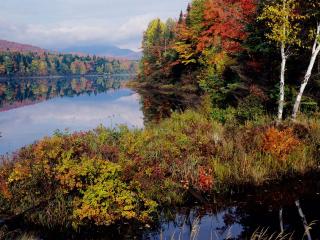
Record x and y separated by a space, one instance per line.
8 65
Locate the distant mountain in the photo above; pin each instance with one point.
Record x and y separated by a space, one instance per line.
103 51
19 47
98 50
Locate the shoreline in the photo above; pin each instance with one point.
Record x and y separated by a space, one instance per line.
66 76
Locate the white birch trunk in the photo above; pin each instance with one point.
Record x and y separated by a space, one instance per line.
282 82
304 220
315 53
281 220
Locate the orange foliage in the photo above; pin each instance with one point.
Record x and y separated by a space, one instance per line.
280 143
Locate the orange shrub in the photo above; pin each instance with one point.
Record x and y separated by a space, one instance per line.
280 143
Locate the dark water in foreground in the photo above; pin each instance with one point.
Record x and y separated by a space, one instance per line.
33 108
292 206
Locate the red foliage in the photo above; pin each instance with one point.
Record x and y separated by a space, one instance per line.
205 179
225 21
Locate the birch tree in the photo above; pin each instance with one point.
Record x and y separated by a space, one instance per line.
282 20
315 52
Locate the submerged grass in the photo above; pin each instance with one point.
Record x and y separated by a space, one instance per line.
108 176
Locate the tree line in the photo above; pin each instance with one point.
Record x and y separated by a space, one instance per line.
43 64
241 52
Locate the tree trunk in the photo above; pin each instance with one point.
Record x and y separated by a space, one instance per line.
315 53
281 220
304 220
282 82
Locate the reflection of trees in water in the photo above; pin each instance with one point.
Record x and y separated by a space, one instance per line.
259 209
20 92
157 105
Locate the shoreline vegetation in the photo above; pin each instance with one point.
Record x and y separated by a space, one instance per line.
107 176
241 134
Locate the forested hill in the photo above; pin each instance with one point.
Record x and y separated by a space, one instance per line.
46 64
7 46
18 59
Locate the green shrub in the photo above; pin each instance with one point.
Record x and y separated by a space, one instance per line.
250 109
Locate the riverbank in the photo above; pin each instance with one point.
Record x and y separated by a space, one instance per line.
108 176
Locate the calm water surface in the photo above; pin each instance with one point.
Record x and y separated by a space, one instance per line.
33 108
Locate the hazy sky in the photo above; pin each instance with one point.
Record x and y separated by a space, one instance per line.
60 23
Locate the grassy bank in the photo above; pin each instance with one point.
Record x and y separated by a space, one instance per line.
108 176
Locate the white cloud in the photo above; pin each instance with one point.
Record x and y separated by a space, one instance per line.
63 22
68 33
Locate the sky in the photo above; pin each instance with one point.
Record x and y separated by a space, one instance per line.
62 23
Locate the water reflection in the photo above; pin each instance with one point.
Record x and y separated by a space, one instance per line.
157 105
25 91
291 207
34 108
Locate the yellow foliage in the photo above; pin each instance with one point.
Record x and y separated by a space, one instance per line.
282 18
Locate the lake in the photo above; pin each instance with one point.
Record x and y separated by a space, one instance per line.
31 108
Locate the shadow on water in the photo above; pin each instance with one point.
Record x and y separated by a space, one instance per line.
157 105
292 206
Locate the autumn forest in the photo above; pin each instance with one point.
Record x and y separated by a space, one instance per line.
44 64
